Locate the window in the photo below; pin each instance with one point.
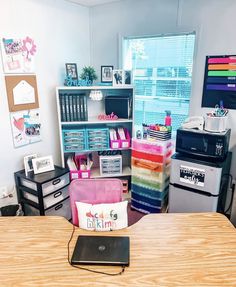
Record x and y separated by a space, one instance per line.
162 72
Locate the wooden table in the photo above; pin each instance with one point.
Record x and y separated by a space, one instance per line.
197 249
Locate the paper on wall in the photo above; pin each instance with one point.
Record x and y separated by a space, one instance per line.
23 93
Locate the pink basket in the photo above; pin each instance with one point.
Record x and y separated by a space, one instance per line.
125 143
94 191
76 174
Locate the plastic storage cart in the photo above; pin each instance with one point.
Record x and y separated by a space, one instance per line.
150 175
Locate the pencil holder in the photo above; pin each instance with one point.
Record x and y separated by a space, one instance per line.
215 124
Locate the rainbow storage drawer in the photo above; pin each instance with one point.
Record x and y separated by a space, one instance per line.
148 200
150 175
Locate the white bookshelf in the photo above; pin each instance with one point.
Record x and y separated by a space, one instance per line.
94 109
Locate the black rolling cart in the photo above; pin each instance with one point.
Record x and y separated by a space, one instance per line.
45 193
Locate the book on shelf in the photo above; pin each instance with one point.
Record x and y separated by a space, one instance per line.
73 107
62 107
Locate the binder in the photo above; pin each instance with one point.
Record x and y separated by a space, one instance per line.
78 108
75 114
85 108
62 107
71 108
67 109
81 100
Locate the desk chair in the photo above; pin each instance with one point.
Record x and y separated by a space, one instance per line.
94 191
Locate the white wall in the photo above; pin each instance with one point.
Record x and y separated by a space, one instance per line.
213 21
61 32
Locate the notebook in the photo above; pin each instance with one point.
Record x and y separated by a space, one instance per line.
101 250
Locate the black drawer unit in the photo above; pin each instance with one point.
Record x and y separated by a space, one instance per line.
45 193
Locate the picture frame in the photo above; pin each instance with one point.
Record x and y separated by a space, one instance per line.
106 74
71 71
127 79
43 164
28 164
118 77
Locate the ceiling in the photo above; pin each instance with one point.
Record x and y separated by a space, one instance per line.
90 3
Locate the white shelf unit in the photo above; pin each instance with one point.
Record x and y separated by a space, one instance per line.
91 121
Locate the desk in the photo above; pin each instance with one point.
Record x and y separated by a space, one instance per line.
166 250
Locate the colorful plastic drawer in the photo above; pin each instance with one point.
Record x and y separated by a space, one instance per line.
75 147
160 176
97 139
144 207
145 182
97 132
74 140
74 133
146 199
151 146
152 177
152 157
149 192
154 166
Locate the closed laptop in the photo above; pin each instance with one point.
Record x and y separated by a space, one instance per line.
101 250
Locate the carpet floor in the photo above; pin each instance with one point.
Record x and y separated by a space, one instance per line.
133 215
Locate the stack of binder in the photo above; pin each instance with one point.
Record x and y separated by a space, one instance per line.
73 107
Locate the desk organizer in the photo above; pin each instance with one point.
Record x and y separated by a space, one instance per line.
119 142
215 124
150 174
74 140
97 139
83 165
110 165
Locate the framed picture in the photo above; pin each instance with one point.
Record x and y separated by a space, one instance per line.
43 164
106 74
118 77
71 71
127 77
28 163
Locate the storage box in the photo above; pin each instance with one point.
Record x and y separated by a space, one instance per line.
61 209
74 140
121 143
76 174
49 200
119 105
110 165
125 143
47 187
155 147
83 164
98 138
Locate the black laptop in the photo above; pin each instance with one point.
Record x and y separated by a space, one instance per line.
101 250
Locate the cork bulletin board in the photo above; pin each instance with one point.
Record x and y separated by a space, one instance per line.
22 92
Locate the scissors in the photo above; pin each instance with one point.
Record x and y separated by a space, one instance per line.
220 112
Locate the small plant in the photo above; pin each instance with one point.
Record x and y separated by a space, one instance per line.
90 73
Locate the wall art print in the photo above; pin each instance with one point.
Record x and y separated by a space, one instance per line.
26 127
18 55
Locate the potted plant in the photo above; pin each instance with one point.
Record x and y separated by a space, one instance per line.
88 73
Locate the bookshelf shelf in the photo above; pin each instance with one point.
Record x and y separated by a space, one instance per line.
78 115
95 121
